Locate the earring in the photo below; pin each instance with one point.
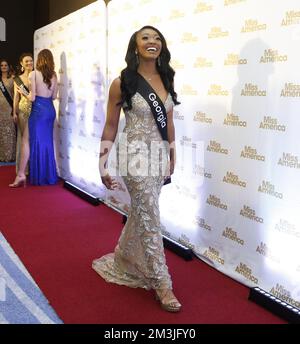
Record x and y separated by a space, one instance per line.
22 69
159 61
137 58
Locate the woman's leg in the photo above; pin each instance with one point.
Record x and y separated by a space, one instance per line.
25 151
21 177
21 127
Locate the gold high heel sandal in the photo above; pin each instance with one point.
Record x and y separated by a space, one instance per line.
172 304
19 181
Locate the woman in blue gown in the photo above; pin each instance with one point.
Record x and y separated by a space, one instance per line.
43 90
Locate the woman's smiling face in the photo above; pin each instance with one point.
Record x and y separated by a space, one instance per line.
149 44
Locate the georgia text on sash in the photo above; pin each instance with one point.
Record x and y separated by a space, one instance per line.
161 118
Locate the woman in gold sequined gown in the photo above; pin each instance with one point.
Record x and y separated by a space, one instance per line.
138 259
22 108
7 127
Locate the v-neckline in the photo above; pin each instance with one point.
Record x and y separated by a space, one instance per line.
164 102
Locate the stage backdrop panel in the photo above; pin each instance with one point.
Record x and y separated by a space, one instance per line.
234 197
78 43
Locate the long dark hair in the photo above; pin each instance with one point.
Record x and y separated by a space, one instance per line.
45 64
9 73
129 75
21 58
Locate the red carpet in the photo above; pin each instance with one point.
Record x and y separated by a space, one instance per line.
57 235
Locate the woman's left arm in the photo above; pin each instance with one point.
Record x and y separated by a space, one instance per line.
171 139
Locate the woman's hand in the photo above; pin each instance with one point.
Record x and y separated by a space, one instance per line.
22 92
169 171
170 168
15 118
109 182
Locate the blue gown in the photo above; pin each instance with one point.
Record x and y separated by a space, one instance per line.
42 160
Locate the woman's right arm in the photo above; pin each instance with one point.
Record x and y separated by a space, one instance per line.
110 131
16 103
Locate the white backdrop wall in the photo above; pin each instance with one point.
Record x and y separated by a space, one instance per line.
236 203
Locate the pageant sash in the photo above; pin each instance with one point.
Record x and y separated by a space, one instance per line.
156 105
6 93
21 84
157 108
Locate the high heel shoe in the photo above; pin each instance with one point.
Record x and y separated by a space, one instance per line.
19 181
171 304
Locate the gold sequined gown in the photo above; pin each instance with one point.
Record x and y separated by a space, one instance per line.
7 126
23 116
139 259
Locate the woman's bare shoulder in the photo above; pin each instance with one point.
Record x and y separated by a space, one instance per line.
116 83
115 87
